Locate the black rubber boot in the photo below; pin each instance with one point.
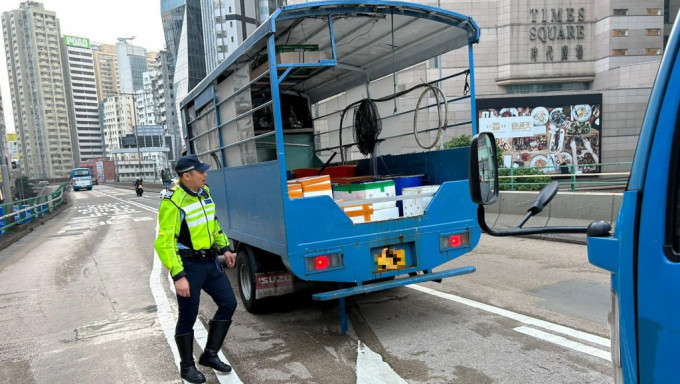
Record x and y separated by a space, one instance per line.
216 334
188 371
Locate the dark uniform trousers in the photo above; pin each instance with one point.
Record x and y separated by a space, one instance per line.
206 274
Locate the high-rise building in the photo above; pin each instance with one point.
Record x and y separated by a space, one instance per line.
190 59
132 63
165 89
105 69
81 87
36 77
266 7
157 106
183 29
172 16
226 23
119 118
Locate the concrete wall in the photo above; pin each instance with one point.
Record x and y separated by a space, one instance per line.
566 209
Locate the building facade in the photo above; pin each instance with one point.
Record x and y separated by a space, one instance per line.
81 87
143 153
39 101
596 58
105 69
226 23
132 63
119 118
162 87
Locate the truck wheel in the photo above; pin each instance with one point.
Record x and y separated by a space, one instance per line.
245 269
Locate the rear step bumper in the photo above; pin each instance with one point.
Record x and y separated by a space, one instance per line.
346 292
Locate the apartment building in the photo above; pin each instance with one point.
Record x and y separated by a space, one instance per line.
39 101
81 86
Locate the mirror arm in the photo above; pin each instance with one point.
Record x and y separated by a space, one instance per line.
525 219
522 231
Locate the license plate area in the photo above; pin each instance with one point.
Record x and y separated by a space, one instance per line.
393 257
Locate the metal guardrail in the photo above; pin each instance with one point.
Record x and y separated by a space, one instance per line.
28 210
575 179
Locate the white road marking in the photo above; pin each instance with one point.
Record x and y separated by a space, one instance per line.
573 333
559 340
372 369
167 318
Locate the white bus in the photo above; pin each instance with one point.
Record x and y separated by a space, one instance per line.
81 178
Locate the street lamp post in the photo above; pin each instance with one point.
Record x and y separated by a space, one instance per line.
134 131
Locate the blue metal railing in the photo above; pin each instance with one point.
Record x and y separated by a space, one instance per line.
27 210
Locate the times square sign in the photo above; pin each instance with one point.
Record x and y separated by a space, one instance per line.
553 32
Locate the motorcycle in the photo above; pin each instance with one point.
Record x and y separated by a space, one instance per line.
140 190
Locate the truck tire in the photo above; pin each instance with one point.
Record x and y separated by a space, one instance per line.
245 272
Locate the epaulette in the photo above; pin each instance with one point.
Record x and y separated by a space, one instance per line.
169 192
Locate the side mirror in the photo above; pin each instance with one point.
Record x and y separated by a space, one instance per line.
483 171
483 182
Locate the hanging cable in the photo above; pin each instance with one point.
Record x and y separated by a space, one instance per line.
442 123
466 87
430 88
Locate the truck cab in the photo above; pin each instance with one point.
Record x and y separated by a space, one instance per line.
643 253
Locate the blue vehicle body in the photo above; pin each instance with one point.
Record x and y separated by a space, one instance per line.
81 178
643 255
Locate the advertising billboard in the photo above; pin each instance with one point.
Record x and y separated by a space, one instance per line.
78 42
546 131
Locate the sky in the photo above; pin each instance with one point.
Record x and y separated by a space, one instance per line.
103 21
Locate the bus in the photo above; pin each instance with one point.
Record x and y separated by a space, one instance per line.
81 178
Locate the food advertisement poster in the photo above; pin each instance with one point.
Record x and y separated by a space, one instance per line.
548 132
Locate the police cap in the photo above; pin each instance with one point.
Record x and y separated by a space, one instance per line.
190 162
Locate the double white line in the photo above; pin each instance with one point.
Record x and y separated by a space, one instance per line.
550 337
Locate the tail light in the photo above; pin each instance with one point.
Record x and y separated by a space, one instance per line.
319 263
454 240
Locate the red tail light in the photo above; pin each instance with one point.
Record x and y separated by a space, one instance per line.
455 241
322 262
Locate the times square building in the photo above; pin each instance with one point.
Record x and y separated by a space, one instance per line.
562 78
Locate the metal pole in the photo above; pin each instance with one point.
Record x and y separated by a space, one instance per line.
134 130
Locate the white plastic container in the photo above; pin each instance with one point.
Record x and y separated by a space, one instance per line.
365 213
417 206
370 190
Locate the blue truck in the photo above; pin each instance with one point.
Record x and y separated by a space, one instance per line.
643 253
264 114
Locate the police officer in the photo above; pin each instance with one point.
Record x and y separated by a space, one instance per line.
189 241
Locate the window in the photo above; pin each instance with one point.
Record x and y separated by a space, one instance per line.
619 52
673 216
547 87
620 12
652 51
653 11
652 32
619 32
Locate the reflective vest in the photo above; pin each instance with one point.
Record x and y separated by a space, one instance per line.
188 219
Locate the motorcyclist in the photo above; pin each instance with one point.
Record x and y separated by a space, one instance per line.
139 186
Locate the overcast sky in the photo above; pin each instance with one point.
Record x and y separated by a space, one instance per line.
100 21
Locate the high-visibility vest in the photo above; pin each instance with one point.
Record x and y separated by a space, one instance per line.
196 213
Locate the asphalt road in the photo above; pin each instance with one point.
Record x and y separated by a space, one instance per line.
84 299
